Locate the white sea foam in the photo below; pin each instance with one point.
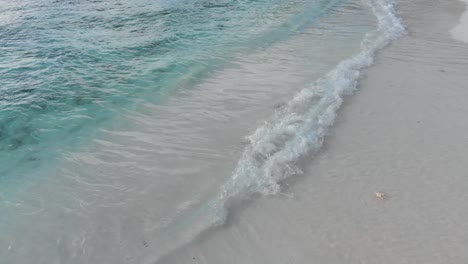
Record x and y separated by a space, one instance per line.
460 32
296 130
299 128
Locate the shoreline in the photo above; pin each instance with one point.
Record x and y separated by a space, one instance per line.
140 191
401 133
162 162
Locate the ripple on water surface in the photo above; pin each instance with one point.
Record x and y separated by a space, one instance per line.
70 67
147 103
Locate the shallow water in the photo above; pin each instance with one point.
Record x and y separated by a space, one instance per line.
123 125
70 67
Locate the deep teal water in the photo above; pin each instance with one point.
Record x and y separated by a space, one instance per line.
68 68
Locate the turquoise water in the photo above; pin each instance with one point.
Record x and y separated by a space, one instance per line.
130 128
70 67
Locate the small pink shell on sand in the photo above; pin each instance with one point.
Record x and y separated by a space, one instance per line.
380 195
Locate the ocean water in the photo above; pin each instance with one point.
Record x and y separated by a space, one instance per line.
129 128
69 67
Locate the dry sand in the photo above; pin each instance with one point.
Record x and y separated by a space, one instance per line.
405 133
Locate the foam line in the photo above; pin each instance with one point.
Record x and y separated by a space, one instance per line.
299 128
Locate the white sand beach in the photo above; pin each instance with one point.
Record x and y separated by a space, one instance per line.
404 133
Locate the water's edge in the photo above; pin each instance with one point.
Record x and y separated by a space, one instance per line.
295 131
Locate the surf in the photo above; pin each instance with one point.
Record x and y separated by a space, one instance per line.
295 131
171 168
